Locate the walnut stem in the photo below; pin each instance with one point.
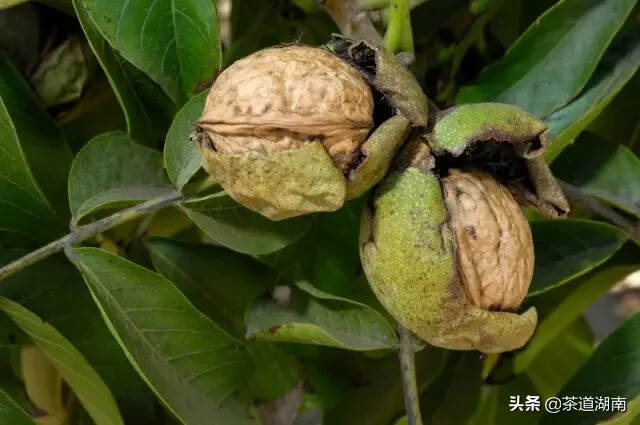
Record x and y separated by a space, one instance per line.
399 35
408 374
578 195
83 233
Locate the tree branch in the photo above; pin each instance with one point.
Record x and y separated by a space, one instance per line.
578 195
83 233
408 374
352 20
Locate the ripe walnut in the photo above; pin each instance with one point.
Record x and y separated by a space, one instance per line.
282 98
290 130
493 240
443 242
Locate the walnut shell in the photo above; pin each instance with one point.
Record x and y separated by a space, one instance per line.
493 240
279 99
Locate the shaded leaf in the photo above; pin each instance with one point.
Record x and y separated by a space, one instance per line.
562 357
86 384
35 163
112 172
48 290
587 289
612 371
573 34
602 170
11 412
493 407
219 282
454 396
616 68
276 372
181 155
194 367
139 124
176 43
97 111
373 392
315 317
235 227
567 249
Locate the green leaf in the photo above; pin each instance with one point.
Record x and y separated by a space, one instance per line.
219 282
586 290
222 284
48 290
609 173
616 68
612 371
557 363
194 367
242 230
454 396
11 412
315 317
175 42
631 417
139 124
493 408
573 35
181 155
86 384
567 249
112 172
369 390
34 163
276 372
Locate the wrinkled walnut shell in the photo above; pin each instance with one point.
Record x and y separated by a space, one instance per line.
494 247
283 98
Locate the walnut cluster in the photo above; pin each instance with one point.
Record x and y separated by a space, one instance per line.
279 99
493 240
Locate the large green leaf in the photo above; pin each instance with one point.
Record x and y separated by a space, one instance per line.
222 284
219 282
175 42
139 124
85 382
181 154
34 163
11 413
112 172
311 316
618 65
572 35
602 170
561 358
612 371
48 290
231 225
567 249
584 292
192 365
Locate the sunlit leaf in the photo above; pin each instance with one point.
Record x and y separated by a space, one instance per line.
315 317
573 35
175 42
